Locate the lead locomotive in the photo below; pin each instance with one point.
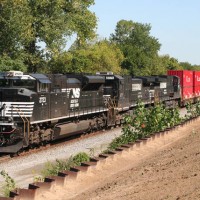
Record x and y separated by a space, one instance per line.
36 108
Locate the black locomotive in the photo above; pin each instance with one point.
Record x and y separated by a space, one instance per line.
36 108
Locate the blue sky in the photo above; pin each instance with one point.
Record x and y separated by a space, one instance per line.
175 23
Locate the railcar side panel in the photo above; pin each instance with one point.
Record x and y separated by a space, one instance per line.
196 79
186 82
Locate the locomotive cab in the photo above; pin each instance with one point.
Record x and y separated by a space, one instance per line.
115 90
16 108
148 88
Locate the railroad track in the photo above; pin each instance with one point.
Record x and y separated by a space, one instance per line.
36 149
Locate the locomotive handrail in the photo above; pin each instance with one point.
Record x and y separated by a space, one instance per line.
114 103
24 121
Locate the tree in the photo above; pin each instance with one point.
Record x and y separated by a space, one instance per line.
99 56
170 63
27 23
7 64
189 66
139 48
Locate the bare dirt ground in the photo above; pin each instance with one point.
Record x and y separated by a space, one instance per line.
165 168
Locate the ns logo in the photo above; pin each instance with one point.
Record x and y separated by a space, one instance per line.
75 92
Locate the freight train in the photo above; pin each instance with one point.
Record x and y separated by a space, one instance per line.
38 108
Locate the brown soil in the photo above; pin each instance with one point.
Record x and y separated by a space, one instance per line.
165 168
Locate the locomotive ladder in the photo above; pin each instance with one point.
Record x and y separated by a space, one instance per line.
111 103
24 119
111 114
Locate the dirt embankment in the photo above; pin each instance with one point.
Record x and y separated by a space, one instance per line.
165 168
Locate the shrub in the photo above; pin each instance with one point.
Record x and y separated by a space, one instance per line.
145 121
9 184
52 169
79 158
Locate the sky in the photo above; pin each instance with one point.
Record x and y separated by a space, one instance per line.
175 23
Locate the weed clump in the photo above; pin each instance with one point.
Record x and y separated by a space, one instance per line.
52 169
9 184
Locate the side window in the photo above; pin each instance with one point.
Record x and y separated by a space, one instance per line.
43 87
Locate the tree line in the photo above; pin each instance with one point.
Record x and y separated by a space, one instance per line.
34 35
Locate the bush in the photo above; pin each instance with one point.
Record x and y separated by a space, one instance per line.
145 121
52 169
79 158
9 184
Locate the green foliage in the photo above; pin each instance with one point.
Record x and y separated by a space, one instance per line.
91 58
127 136
140 49
60 165
38 179
34 35
193 110
79 158
188 66
169 63
14 26
146 121
9 184
7 63
26 23
54 168
197 107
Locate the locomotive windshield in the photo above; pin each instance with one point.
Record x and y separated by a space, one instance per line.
24 83
14 79
17 83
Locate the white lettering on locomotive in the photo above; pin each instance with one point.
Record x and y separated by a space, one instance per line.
136 87
42 100
163 85
74 93
139 95
74 103
110 77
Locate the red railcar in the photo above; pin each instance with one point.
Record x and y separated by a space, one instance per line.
186 83
196 80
